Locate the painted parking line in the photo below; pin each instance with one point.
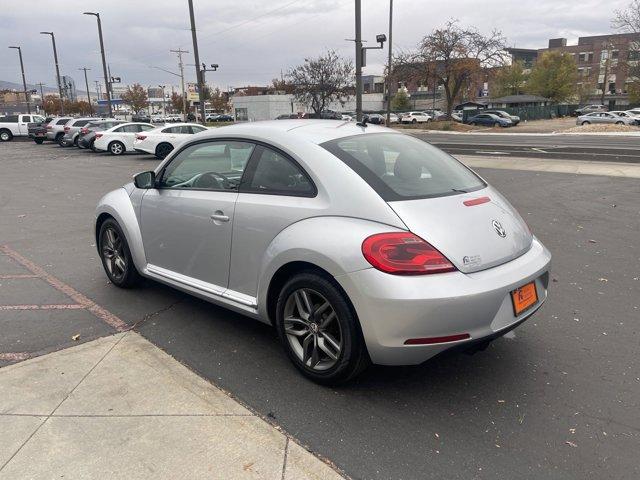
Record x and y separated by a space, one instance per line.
14 357
18 275
80 300
41 307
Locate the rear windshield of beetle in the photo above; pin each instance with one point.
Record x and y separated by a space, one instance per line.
401 167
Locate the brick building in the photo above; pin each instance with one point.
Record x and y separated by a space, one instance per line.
606 63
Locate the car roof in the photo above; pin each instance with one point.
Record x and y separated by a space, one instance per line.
314 131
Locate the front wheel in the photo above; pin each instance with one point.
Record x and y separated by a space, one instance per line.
319 330
116 148
414 121
38 140
619 123
586 123
116 256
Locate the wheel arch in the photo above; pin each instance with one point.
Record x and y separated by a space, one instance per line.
117 205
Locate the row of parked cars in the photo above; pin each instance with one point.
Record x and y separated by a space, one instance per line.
112 135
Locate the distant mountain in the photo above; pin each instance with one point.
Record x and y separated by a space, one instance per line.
46 89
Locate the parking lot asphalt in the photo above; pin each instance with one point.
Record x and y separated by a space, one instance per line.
557 399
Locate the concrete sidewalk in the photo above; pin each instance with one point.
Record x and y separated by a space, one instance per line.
120 408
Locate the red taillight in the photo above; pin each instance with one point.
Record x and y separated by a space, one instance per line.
476 201
404 253
98 135
432 340
84 130
49 127
140 137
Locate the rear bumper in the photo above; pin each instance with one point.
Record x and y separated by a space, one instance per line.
393 309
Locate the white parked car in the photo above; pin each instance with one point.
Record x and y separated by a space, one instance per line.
162 140
119 139
415 117
393 118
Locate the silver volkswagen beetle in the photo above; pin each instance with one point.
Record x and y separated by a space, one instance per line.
358 243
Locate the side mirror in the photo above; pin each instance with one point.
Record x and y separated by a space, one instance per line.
145 180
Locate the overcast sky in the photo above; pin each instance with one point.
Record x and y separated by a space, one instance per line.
254 40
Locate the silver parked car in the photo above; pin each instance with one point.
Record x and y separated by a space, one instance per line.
55 128
72 130
359 244
604 117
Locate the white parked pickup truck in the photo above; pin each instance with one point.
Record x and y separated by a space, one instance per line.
16 126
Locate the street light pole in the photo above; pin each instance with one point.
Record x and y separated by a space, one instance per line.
197 59
358 42
86 82
389 63
24 81
55 58
104 61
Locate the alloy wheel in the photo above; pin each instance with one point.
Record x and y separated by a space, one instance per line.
116 148
113 253
4 136
312 329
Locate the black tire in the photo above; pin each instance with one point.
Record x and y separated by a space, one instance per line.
353 357
92 146
129 277
586 123
38 140
414 121
473 124
6 135
116 148
75 142
59 140
163 150
619 123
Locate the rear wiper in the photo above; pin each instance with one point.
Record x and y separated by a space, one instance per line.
459 190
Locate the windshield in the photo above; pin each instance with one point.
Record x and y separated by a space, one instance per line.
401 167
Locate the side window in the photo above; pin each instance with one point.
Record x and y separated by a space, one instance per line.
81 123
62 122
276 174
26 118
208 166
195 129
9 119
168 130
145 128
120 129
183 129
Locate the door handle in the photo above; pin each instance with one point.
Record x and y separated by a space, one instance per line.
219 216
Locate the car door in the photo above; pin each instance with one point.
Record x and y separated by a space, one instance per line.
23 124
275 193
187 220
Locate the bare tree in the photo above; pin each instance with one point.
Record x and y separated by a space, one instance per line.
628 19
455 57
323 80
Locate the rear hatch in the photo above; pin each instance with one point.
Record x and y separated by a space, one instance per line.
474 236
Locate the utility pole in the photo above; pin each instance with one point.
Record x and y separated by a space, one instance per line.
164 108
98 89
179 52
55 58
86 82
41 95
358 42
389 62
199 73
24 81
104 61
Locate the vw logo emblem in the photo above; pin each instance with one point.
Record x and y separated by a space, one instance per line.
497 226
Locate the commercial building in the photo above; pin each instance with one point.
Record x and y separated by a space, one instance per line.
607 65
